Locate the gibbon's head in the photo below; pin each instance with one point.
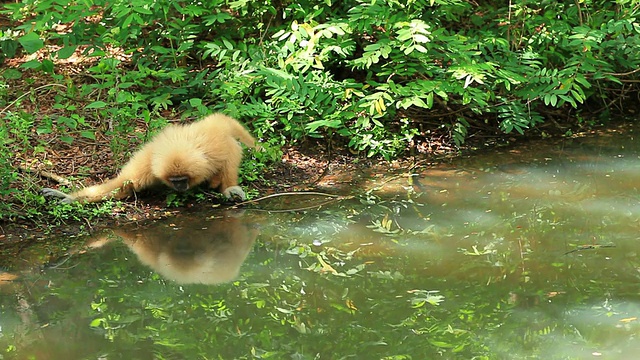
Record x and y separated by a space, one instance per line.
180 170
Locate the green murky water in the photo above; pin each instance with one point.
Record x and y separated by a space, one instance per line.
529 252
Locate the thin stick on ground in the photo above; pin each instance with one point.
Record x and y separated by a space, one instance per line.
46 174
27 93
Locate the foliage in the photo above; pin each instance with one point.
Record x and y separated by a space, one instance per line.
354 69
380 76
8 176
26 202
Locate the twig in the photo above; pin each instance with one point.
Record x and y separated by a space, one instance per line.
589 247
295 193
288 194
49 175
27 93
624 74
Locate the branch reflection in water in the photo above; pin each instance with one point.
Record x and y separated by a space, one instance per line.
190 249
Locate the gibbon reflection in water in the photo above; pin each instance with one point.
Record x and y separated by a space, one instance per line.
190 250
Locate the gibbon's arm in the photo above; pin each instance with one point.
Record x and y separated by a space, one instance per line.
114 188
135 175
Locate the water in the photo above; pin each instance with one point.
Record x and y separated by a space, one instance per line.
529 252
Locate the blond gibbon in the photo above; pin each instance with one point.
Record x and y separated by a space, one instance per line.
180 156
188 249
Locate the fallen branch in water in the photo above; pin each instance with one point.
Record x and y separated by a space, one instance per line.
294 193
589 247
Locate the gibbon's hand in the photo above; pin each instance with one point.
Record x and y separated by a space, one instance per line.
53 193
234 193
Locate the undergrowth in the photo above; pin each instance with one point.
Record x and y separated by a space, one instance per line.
381 77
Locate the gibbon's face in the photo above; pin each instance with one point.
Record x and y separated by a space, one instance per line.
180 183
184 182
182 171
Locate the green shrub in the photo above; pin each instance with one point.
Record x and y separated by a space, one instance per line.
378 75
370 71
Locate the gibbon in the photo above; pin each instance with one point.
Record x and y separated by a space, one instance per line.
180 156
190 250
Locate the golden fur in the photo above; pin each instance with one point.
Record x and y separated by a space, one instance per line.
191 250
180 156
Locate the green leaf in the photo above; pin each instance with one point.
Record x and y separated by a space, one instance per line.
419 102
33 64
314 125
127 21
161 50
409 49
582 81
44 130
568 99
227 44
11 74
421 38
8 47
96 105
420 48
47 66
88 134
31 42
142 10
67 51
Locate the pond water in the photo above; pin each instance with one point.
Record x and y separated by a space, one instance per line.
526 252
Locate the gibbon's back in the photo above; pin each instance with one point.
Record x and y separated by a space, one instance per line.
223 124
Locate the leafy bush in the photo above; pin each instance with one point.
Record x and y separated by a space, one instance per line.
380 76
373 72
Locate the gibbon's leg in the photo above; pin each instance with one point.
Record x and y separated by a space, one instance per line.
215 181
227 126
240 132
